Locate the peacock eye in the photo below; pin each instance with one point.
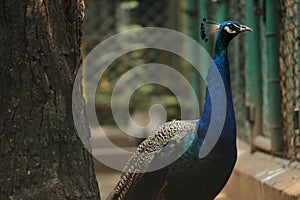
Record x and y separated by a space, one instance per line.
231 26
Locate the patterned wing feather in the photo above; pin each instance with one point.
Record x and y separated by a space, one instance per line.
141 160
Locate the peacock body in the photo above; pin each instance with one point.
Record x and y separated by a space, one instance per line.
189 177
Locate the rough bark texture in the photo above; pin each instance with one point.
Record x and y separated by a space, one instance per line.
41 155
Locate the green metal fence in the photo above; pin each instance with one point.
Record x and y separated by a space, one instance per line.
264 63
273 88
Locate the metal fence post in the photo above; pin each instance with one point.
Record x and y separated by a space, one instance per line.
253 70
221 10
274 96
203 13
193 33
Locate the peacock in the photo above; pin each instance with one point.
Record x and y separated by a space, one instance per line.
190 176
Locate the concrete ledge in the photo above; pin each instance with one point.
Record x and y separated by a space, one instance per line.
259 176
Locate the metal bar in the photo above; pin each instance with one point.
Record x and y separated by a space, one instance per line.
192 13
253 69
205 61
204 13
273 68
221 10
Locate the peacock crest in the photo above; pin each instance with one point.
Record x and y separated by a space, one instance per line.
208 28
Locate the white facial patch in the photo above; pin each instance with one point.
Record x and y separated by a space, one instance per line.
226 28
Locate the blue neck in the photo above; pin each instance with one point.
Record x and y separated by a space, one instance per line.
221 61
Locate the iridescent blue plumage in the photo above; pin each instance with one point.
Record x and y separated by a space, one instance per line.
191 177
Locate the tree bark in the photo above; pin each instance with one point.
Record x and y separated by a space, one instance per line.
41 155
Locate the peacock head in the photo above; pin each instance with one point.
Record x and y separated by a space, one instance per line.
226 31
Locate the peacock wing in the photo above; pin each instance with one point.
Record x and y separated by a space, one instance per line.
150 154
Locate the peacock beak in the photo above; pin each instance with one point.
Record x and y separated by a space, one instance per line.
245 28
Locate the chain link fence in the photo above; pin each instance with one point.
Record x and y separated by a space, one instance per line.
288 63
106 18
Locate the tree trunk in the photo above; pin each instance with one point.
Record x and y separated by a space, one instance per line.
42 156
